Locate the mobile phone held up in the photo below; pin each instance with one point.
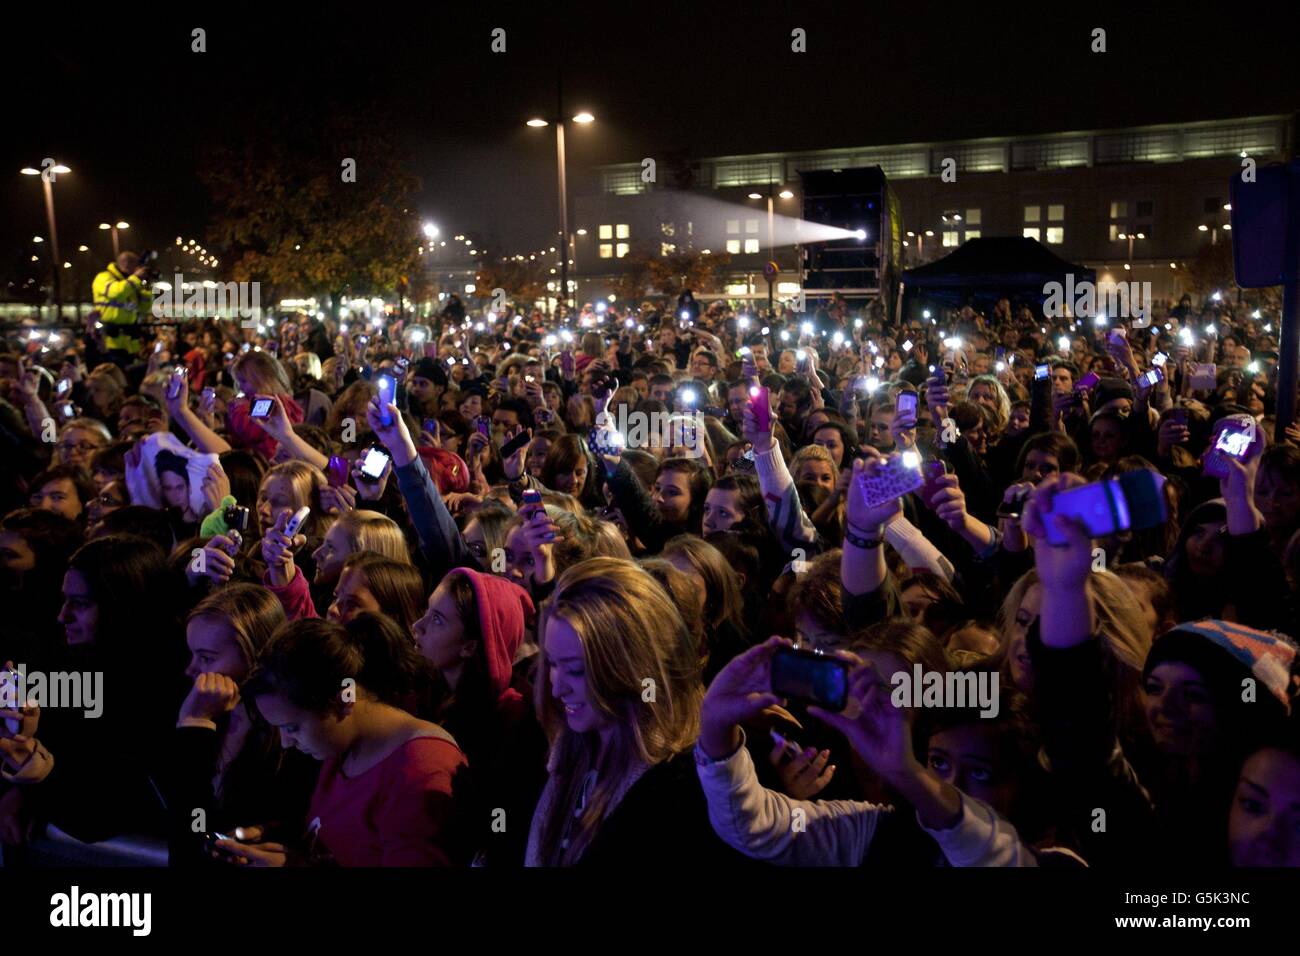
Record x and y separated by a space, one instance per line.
483 424
1234 440
810 677
761 403
900 475
261 407
373 465
1131 502
387 388
10 682
1087 383
1150 379
905 404
337 471
1042 372
516 443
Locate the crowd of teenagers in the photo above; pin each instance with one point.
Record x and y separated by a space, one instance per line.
503 589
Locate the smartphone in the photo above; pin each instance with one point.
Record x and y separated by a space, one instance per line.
387 388
1151 379
1087 383
337 471
933 471
296 521
760 401
1128 503
373 465
174 383
1234 440
901 475
516 443
1159 359
1116 337
1203 376
905 404
209 395
430 425
237 518
1016 506
1042 372
65 386
940 376
531 497
810 677
483 425
69 410
262 408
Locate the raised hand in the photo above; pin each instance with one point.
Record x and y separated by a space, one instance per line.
737 694
213 695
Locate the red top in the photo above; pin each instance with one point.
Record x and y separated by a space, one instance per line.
246 433
397 813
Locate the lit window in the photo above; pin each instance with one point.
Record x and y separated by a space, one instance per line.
607 232
667 248
622 249
972 218
951 237
1030 232
751 225
733 227
1055 213
668 228
733 246
1033 213
740 289
1114 232
787 288
622 232
1119 209
606 250
1055 235
751 245
972 233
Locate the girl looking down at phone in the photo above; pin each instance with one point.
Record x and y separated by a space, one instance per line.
386 791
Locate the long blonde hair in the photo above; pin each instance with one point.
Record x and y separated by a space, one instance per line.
631 632
372 531
1123 635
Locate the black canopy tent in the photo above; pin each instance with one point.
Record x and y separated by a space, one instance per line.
981 271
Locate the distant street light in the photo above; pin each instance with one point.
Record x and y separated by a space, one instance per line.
47 184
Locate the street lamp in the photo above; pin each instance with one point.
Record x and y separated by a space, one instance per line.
47 183
582 118
431 230
771 232
1130 236
113 228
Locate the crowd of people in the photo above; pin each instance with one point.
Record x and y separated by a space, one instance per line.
498 588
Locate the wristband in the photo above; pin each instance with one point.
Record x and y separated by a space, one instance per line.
858 542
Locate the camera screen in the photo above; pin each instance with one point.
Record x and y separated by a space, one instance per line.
261 408
374 463
1234 442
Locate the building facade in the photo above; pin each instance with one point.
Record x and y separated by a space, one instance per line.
1136 204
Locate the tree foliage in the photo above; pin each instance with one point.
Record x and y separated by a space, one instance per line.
285 217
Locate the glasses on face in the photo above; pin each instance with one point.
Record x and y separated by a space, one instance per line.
85 447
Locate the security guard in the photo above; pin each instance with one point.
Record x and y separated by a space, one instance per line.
123 298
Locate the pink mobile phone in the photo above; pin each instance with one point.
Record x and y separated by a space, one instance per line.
761 403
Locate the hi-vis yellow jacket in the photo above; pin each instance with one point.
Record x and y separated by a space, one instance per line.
121 300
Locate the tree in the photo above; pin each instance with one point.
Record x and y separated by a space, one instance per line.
286 217
688 269
1212 271
524 281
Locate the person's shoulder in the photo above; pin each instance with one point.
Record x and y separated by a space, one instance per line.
427 749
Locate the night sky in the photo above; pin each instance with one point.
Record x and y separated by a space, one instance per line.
122 100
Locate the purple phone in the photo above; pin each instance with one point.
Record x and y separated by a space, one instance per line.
905 404
337 471
933 471
1088 382
484 426
761 403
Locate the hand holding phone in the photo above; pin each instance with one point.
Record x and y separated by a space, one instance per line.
810 677
761 403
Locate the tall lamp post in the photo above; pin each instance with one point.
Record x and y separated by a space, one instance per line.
1130 236
771 231
113 228
582 119
47 181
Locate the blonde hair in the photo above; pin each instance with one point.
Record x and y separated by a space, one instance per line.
250 609
1001 400
351 403
1123 636
372 531
308 363
809 453
630 631
263 371
306 483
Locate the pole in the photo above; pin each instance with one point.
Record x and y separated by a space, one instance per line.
56 263
113 232
564 214
771 243
1289 343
